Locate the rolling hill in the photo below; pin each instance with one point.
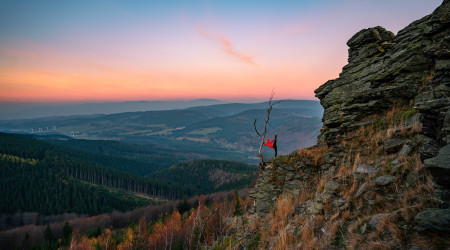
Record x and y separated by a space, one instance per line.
222 131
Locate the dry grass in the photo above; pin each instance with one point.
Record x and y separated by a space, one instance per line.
433 241
386 232
307 234
284 240
278 233
304 195
370 118
348 164
343 228
315 154
427 79
391 113
321 184
369 137
279 216
418 196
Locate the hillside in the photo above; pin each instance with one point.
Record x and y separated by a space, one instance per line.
37 176
378 177
28 185
40 177
138 159
206 176
294 129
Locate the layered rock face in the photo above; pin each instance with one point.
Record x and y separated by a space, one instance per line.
384 71
407 73
281 178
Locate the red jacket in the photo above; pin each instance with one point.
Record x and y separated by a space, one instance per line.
269 143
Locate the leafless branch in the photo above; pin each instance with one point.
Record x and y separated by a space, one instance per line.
256 130
263 136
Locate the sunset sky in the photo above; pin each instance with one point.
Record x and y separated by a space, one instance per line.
108 50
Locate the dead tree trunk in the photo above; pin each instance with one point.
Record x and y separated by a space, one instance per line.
262 136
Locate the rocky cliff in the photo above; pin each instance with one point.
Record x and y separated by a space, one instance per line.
380 171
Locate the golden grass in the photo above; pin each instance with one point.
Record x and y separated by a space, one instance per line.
315 154
348 164
279 216
307 233
343 228
284 240
305 194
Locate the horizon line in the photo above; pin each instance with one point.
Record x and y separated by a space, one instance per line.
229 100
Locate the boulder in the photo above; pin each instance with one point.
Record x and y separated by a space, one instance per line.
439 166
433 220
373 222
316 208
393 145
365 169
428 150
331 187
360 190
406 150
411 179
384 180
372 35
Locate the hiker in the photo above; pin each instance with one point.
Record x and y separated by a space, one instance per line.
272 144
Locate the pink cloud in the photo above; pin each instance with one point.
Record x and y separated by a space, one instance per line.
245 58
227 46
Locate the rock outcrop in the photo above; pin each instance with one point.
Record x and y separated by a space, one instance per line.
278 178
395 94
385 71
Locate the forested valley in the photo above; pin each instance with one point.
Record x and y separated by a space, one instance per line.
38 176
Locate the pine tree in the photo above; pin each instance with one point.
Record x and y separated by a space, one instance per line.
67 234
237 205
183 206
50 242
48 235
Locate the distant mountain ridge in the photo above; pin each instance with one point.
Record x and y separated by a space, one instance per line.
30 110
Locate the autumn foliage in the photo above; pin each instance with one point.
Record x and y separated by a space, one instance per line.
197 228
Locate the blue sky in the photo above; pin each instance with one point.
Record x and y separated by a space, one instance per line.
154 50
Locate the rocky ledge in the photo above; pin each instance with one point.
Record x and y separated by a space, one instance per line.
397 86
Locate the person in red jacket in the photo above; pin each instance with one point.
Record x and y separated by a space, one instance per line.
272 144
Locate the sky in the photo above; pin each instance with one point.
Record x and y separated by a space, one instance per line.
111 50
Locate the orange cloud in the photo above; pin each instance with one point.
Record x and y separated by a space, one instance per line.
245 58
228 47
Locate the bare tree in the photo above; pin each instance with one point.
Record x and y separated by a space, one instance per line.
262 136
